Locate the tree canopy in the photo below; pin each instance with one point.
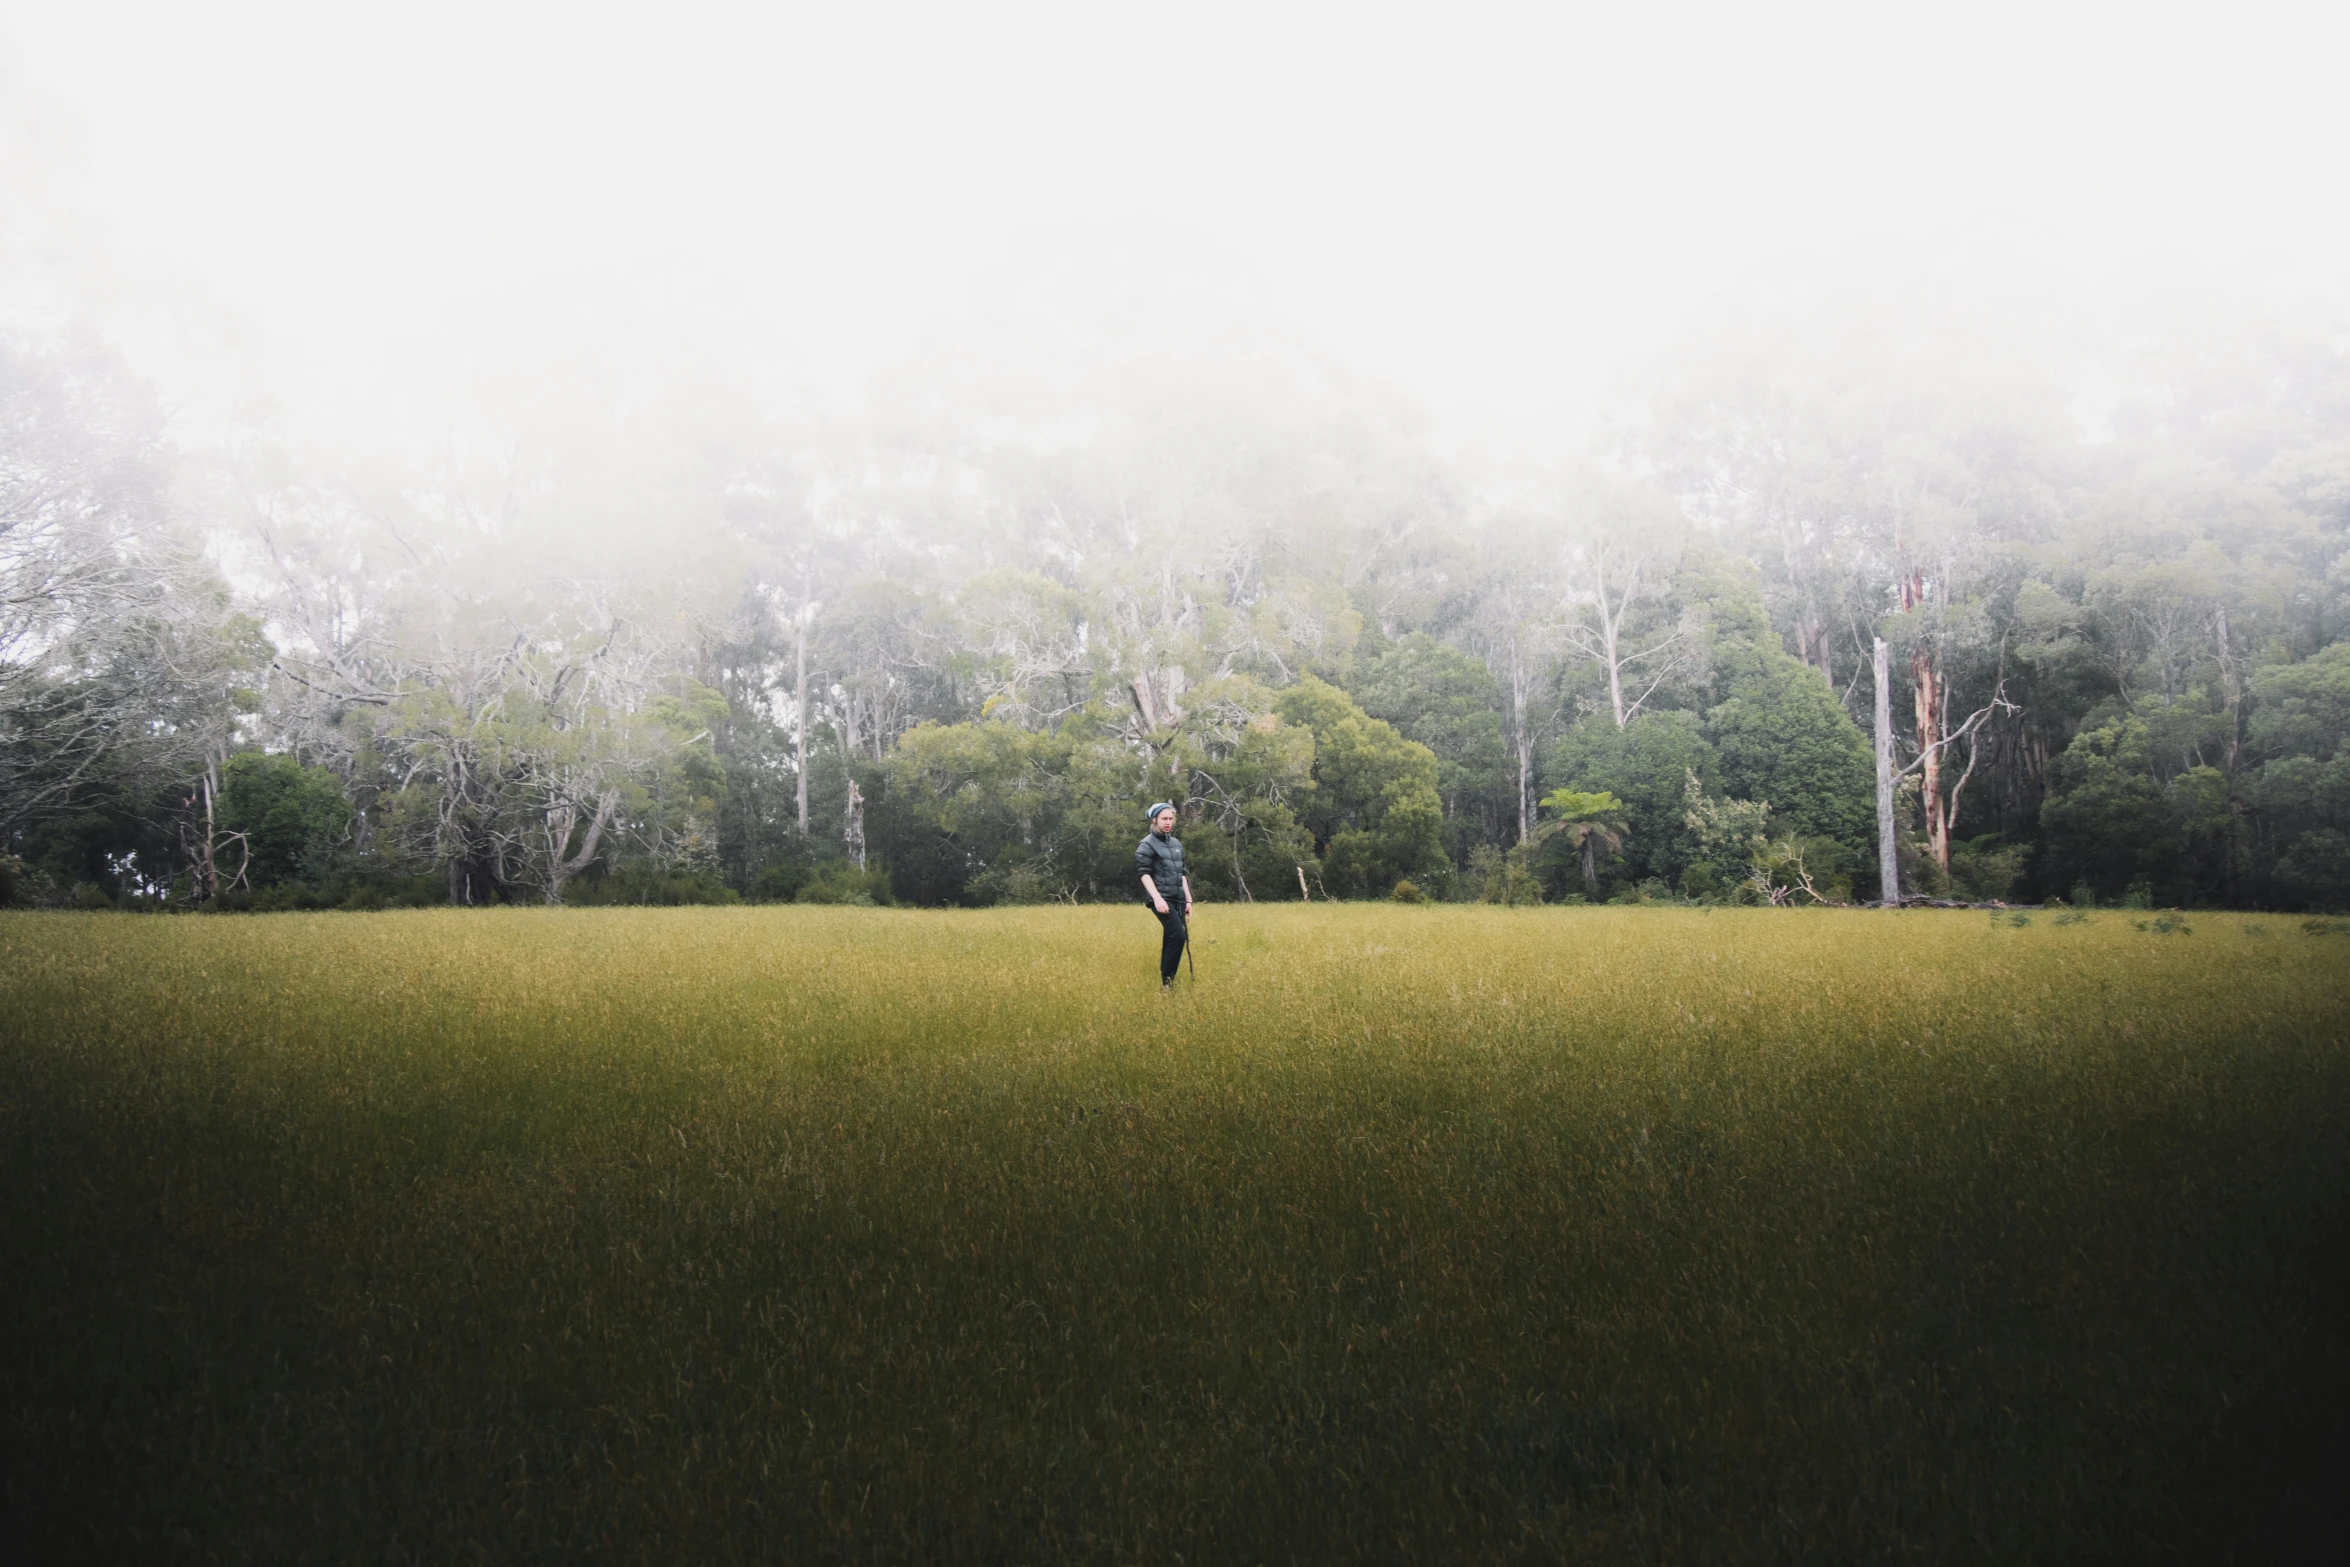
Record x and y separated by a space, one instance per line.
944 657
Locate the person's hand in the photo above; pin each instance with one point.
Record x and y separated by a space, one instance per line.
1160 904
1187 908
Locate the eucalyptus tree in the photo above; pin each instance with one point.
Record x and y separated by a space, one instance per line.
1618 577
1029 639
1518 627
126 669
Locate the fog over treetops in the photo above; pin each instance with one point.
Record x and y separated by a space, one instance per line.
511 454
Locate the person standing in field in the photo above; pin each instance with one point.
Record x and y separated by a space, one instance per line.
1158 859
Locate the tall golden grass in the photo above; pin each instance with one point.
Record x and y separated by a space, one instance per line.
1404 1233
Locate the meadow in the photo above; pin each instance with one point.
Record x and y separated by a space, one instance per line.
838 1234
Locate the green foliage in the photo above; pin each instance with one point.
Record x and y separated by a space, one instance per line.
1374 811
1447 701
1576 806
1588 823
837 884
1790 868
1781 735
1643 764
646 885
1778 867
1025 814
1248 774
2106 819
2315 868
1502 876
780 879
294 822
1272 782
1987 868
2304 708
365 890
1726 831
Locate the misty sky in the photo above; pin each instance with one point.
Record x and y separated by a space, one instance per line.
1487 208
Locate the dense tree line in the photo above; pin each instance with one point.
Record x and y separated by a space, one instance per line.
657 649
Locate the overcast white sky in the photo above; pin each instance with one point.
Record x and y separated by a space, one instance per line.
1486 207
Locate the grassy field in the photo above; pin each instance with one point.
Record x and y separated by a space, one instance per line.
863 1235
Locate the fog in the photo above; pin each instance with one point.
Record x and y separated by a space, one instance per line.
1820 454
1491 211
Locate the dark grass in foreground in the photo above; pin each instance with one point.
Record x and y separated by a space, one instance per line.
1410 1233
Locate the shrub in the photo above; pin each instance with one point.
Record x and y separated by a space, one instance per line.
649 885
780 881
1013 884
843 883
1986 869
1503 877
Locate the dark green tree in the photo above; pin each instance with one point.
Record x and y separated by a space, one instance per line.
1646 765
1374 811
1782 737
285 822
1449 702
2106 820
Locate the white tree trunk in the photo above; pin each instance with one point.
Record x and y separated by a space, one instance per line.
1615 665
855 827
562 867
1520 679
1888 861
800 719
208 873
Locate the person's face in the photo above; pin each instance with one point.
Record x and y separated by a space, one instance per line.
1164 822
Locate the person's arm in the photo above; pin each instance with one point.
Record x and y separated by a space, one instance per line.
1187 894
1152 888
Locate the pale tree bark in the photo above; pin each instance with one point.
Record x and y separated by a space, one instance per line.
1888 856
1521 682
1517 634
1610 589
562 866
1928 701
854 835
799 722
208 883
1930 705
1158 698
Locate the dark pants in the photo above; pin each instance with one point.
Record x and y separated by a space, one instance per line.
1172 936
